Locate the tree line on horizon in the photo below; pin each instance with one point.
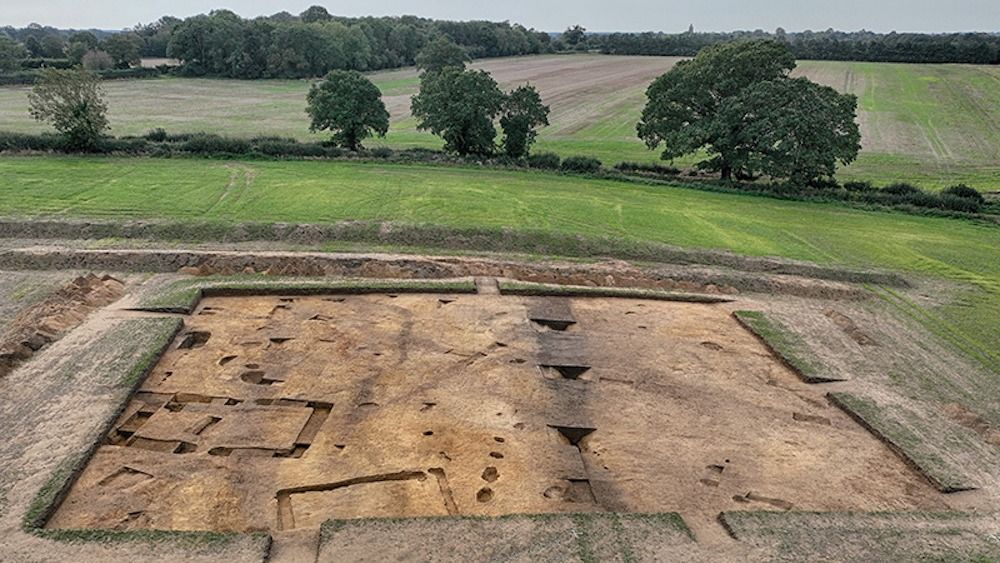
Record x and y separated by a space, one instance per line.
221 43
831 45
283 45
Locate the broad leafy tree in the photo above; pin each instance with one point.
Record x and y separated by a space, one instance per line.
682 110
86 38
459 106
125 49
210 44
34 47
574 35
350 106
11 54
53 46
523 113
315 14
72 101
736 102
440 54
790 128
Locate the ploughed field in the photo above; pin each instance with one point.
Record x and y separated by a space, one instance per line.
934 125
279 413
196 191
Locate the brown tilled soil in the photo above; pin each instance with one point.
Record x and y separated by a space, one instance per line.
47 320
578 89
276 414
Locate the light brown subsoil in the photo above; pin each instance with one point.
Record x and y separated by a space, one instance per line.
275 413
47 320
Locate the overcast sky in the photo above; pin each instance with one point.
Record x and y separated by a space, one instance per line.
553 15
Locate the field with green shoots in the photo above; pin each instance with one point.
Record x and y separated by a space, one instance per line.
932 125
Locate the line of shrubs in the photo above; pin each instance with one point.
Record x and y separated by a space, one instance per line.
28 77
647 169
159 143
955 198
960 198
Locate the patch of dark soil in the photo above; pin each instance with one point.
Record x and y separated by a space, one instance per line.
851 329
968 419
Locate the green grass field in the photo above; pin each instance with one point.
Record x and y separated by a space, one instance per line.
926 124
933 125
203 190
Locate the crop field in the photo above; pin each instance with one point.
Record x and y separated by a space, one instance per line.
317 192
933 125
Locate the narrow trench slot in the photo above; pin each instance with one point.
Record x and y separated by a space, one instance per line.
194 339
577 490
257 377
552 324
446 493
565 371
204 424
320 412
286 516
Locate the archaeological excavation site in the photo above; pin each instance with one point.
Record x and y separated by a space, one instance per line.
368 410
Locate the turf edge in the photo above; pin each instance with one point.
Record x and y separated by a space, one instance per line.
182 296
866 413
548 290
784 344
581 523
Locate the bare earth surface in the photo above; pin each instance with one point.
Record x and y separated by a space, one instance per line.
280 413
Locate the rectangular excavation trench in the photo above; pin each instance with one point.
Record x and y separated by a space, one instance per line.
276 413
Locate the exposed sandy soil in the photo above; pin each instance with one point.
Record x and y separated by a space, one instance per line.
51 408
53 316
279 413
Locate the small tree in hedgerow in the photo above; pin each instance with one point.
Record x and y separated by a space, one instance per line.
73 102
523 112
350 106
459 106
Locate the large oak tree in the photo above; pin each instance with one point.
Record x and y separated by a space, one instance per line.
736 102
350 106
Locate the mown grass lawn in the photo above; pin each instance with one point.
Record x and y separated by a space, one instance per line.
315 191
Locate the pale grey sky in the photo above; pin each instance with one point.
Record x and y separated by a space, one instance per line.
553 15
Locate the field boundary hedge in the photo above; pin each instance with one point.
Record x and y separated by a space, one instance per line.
28 77
958 201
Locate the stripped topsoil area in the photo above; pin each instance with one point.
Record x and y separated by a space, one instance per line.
278 413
